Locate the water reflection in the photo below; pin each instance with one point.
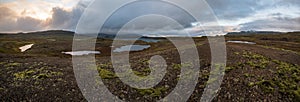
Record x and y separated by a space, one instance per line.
131 48
81 53
242 42
26 47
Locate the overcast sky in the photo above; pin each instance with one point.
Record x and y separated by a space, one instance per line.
234 15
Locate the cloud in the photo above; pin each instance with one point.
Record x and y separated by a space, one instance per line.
278 15
10 21
121 17
234 15
64 19
60 18
28 24
236 9
233 9
135 10
6 15
274 24
27 20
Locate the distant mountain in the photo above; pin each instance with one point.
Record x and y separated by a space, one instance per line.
128 36
45 32
112 36
254 32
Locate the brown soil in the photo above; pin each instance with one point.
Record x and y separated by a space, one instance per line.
253 72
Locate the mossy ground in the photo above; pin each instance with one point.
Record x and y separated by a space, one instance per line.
281 77
268 71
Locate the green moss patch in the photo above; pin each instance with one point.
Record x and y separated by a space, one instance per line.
35 74
106 74
152 92
256 60
281 77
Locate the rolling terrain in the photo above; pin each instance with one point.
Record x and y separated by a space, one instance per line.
265 71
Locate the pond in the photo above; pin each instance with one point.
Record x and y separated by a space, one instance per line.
148 40
131 48
81 53
26 47
242 42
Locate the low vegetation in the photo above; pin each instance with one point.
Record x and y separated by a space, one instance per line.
266 71
284 78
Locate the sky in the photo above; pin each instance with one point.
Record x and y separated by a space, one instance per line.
233 15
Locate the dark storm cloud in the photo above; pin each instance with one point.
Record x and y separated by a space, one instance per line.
138 9
60 18
63 19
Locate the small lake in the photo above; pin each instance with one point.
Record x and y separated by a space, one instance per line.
148 40
81 53
26 47
131 48
242 42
